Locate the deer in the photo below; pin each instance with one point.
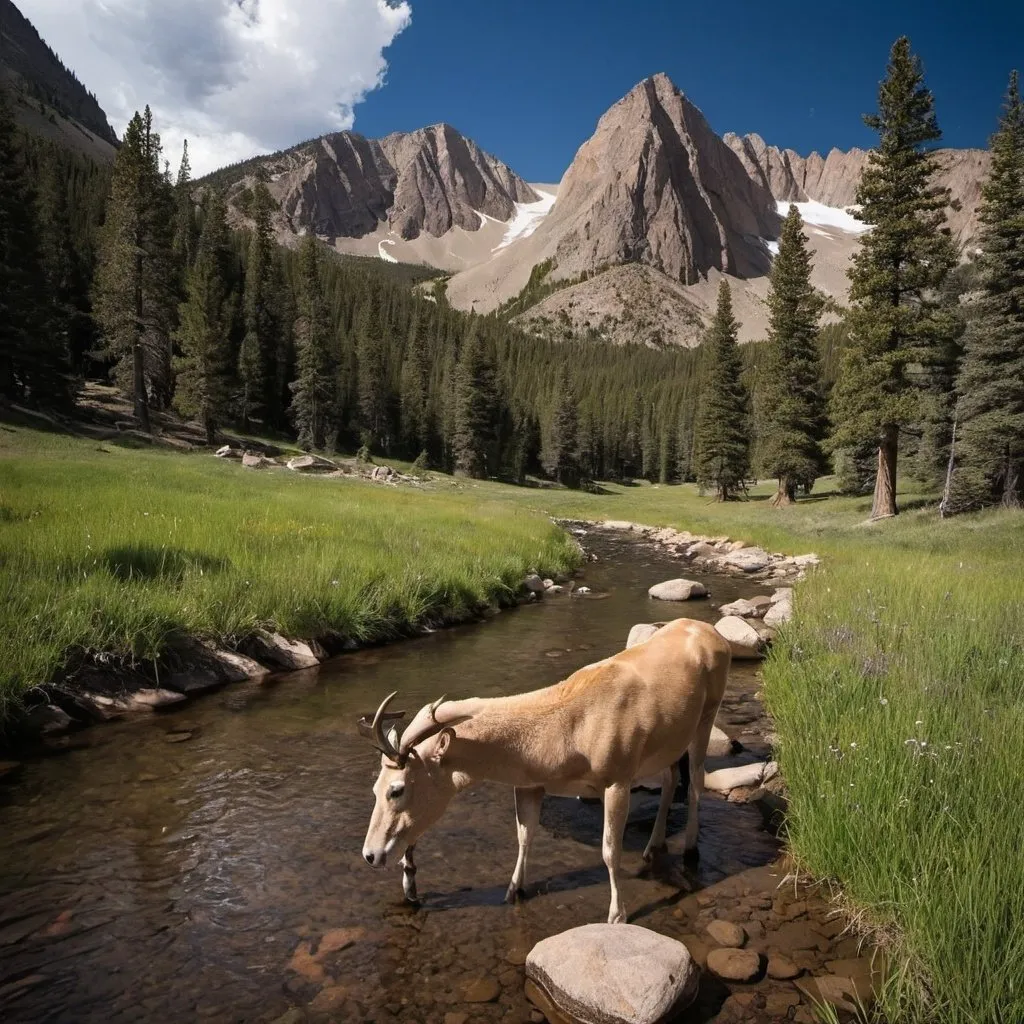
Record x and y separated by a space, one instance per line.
631 716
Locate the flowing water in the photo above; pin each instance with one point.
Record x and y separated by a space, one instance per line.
206 863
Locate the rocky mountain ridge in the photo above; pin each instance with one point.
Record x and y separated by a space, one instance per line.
345 186
833 179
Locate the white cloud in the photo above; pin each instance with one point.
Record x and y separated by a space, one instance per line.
234 77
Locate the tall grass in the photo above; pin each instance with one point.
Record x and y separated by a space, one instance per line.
114 550
898 694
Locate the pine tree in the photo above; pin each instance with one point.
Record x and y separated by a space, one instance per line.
989 457
793 421
316 390
373 380
257 360
33 360
415 387
206 318
722 429
475 409
899 330
135 276
561 455
185 232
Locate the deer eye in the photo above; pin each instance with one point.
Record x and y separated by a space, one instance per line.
395 790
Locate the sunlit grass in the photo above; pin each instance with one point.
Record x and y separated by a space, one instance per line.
114 550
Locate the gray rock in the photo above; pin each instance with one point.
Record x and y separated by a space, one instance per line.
677 590
548 584
803 561
744 640
744 609
534 584
614 974
734 964
719 744
282 653
47 720
150 700
251 461
725 779
782 594
779 613
749 559
727 934
583 590
311 464
640 632
227 452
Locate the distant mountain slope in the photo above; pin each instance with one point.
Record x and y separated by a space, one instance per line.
833 180
49 100
408 190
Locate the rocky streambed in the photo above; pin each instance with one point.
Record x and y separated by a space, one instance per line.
204 862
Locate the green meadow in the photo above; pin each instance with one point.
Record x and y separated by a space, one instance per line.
898 692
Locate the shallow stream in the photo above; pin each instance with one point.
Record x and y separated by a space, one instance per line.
205 863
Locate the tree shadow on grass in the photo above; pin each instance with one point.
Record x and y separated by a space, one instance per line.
170 565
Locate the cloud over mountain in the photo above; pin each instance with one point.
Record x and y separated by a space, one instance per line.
235 77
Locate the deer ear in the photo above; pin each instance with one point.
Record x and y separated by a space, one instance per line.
441 745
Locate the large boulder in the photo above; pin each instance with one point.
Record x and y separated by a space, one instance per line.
749 559
611 974
677 590
311 464
534 584
252 461
744 640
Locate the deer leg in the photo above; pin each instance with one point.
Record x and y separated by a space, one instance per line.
409 876
528 803
669 781
698 750
616 810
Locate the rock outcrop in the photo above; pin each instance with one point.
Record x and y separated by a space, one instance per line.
655 185
427 181
833 179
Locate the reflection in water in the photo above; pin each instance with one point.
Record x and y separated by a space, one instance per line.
221 878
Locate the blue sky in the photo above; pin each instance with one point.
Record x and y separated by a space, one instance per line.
529 80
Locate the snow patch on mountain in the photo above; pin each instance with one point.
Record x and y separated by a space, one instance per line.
383 253
824 216
527 218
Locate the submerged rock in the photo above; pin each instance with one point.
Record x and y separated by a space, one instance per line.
612 974
150 700
677 590
734 964
727 934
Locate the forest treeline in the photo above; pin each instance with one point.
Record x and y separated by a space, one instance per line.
138 273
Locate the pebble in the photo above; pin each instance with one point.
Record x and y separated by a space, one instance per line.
725 933
734 964
178 737
456 1018
483 990
782 969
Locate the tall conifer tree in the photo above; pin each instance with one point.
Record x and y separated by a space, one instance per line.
561 456
989 455
415 391
207 314
899 330
722 433
315 391
793 421
135 277
33 360
476 404
374 397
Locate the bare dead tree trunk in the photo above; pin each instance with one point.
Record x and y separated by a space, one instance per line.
947 489
884 505
1011 483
